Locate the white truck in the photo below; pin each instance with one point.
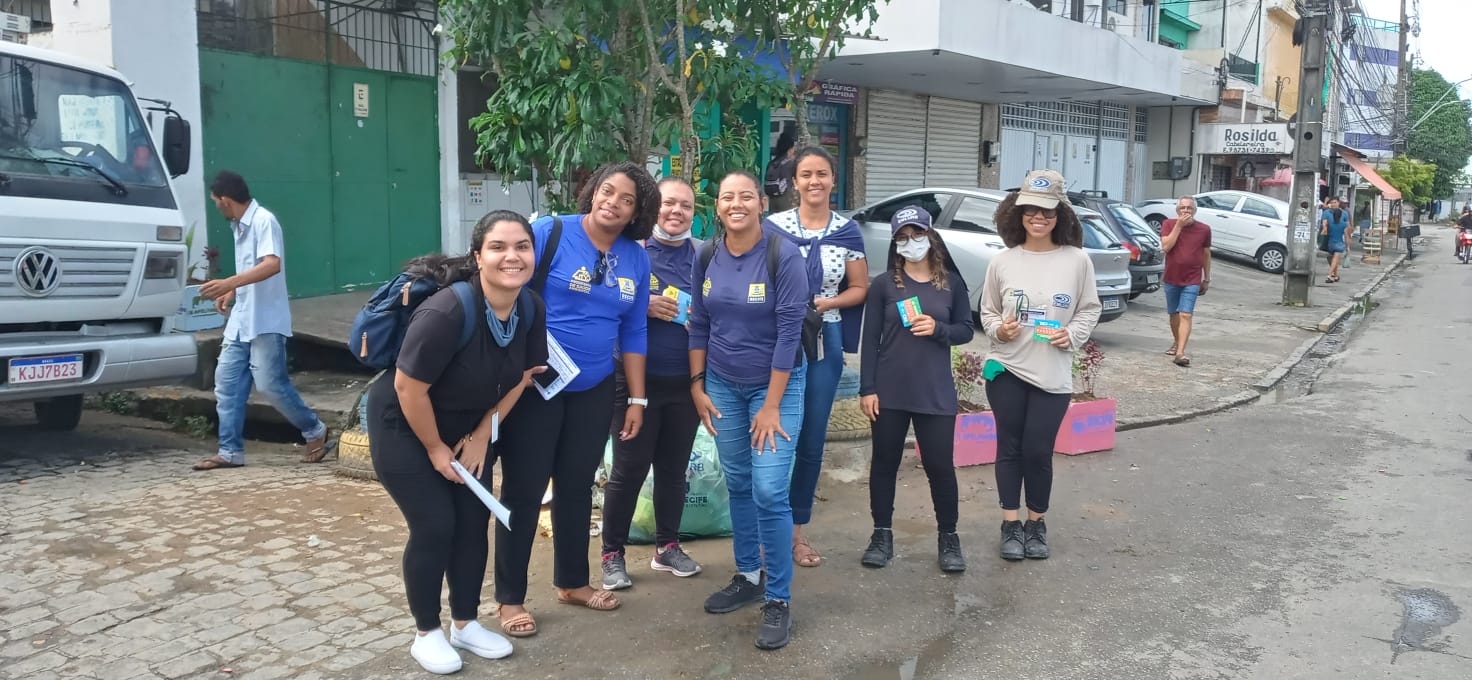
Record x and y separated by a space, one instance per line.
92 252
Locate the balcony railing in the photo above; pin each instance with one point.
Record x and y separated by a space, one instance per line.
1242 69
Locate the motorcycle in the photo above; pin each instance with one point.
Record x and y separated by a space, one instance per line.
1464 245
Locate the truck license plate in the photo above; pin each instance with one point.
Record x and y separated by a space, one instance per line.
45 369
1152 278
1111 304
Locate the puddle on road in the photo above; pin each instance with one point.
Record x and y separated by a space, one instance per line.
1424 613
933 653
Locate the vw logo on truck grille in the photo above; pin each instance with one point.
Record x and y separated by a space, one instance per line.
38 272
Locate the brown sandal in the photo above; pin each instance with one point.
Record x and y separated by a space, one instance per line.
808 556
602 601
1183 361
216 463
319 454
517 626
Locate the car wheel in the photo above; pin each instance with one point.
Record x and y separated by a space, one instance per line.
1271 258
1155 222
59 413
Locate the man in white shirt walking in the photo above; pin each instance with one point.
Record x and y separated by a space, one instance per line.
254 347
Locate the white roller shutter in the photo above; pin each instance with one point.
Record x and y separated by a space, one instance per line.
952 143
896 151
1018 152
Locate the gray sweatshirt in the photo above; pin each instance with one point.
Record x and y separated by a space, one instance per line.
1057 285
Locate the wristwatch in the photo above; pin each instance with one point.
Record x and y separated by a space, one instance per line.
637 401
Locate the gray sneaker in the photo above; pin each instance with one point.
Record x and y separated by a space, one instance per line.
615 574
674 560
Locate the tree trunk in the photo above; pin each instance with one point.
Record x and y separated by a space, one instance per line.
800 108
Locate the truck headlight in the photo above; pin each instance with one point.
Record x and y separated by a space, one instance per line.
161 266
170 233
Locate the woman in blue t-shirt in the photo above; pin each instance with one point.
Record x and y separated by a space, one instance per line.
747 381
597 298
670 422
1335 224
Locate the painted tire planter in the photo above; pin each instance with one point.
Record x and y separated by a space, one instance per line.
353 457
1088 427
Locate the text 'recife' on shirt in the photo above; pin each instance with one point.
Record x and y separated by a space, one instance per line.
589 319
910 372
748 324
261 307
669 343
1057 285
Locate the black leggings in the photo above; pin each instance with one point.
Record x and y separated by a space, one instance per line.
665 440
447 523
1027 426
936 437
563 440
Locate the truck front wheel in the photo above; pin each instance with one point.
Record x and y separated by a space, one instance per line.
59 413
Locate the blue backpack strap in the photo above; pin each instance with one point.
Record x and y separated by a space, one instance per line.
467 303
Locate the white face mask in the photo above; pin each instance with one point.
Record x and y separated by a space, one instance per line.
915 250
663 235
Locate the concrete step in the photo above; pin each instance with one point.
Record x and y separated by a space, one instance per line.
333 395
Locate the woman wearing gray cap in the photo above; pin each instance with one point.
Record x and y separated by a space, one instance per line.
917 309
1038 304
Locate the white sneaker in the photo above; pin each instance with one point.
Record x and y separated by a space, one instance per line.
484 643
434 653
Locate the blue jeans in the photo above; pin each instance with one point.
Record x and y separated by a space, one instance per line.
1180 299
761 516
822 388
261 362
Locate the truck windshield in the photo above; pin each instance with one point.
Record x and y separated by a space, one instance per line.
71 134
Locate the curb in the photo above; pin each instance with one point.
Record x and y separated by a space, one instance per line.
1270 379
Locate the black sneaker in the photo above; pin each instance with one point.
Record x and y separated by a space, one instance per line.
1012 540
615 573
951 559
739 593
880 550
674 560
1036 539
776 625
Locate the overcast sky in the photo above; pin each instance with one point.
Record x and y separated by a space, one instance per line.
1442 44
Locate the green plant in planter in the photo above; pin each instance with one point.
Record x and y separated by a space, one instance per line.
966 369
1086 363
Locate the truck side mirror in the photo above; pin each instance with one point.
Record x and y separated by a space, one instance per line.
176 145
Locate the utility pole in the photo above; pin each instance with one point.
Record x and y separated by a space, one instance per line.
1308 155
1401 134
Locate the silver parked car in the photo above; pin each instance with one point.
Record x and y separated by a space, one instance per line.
965 218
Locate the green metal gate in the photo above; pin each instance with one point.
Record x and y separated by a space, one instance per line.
332 119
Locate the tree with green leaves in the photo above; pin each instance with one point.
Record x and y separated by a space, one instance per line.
1412 178
1440 133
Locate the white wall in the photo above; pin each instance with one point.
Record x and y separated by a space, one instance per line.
1169 134
154 44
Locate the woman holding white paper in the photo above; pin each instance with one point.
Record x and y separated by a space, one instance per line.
917 310
442 403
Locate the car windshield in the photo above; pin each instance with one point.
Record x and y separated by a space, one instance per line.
68 125
1096 234
1131 218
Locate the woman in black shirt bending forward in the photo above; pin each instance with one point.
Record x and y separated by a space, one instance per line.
917 309
438 407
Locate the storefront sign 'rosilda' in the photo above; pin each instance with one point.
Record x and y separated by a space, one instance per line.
1244 138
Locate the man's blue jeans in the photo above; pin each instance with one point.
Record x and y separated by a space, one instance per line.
260 362
822 389
761 516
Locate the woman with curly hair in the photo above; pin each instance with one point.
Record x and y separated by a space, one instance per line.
597 297
1038 304
917 310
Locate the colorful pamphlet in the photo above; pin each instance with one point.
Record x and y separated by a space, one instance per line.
1044 329
909 309
682 300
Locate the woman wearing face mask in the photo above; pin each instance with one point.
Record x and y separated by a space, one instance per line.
596 300
1038 305
917 310
747 383
437 407
839 279
670 422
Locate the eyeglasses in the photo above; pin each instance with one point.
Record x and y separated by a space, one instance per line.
1031 210
603 272
902 240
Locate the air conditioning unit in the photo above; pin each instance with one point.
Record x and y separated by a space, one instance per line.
14 27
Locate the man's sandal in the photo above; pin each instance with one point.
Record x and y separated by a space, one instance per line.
805 555
318 454
602 600
216 463
1183 361
522 625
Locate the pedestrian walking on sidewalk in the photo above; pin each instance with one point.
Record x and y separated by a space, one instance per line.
442 392
1334 225
834 250
597 301
781 194
1039 304
670 422
747 378
253 351
917 310
1187 243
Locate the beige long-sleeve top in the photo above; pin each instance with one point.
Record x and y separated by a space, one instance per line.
1057 285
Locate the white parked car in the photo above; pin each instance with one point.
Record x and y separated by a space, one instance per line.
964 216
1250 225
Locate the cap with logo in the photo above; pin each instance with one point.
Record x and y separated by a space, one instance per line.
1042 188
909 216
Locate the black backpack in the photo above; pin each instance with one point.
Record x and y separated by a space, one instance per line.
378 329
812 322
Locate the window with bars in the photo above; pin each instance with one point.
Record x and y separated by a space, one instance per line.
1142 124
384 35
1073 118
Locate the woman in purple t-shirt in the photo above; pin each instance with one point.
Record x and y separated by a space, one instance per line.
747 381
